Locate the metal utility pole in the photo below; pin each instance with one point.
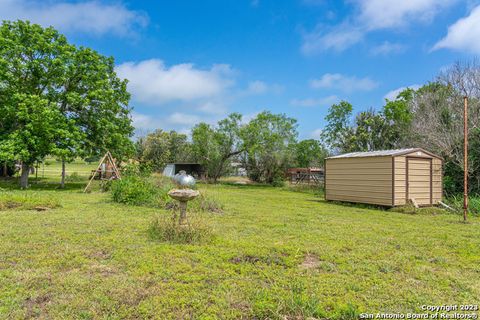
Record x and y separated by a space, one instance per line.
465 158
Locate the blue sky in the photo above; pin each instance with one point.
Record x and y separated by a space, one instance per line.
191 61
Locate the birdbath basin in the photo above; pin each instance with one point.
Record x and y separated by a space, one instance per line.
183 196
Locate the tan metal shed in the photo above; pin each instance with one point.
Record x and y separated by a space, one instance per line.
388 177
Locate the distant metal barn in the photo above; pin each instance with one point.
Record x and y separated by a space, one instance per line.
389 178
193 169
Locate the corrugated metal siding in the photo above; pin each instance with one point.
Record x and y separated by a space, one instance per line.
419 180
437 175
365 180
400 181
378 153
437 180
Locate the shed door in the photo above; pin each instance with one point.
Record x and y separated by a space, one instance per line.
419 180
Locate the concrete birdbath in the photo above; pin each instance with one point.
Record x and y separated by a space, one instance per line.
183 194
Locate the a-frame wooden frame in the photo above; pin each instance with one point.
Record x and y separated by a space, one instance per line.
107 157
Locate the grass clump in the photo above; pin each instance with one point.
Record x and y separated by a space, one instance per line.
410 209
313 189
296 301
291 302
27 201
166 229
203 203
456 202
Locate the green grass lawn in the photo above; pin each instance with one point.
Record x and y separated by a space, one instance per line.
275 254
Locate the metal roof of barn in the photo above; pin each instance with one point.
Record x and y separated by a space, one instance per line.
382 153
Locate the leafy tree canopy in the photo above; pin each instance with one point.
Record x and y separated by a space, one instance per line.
58 99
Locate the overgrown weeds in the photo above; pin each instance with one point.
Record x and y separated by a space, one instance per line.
166 229
456 202
152 191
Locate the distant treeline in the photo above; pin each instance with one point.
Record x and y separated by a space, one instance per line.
266 146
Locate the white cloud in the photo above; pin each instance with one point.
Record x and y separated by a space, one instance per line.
371 15
144 123
463 34
381 14
257 87
250 116
151 82
89 17
212 107
311 102
388 48
392 95
343 83
337 38
183 119
315 134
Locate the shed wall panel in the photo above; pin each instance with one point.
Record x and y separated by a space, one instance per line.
437 177
374 179
364 180
400 180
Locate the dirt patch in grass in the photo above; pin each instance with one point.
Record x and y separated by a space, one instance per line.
36 305
312 262
100 255
252 259
103 270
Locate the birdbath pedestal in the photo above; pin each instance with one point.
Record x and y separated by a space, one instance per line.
183 196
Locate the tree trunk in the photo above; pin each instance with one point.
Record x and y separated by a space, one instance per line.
24 176
62 183
5 174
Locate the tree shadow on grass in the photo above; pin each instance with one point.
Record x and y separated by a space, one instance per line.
41 184
351 204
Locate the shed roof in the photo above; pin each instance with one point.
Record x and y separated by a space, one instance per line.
381 153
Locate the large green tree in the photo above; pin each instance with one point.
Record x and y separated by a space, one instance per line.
309 153
30 128
215 146
338 131
370 130
269 141
77 85
160 147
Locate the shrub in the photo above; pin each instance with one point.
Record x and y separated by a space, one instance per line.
166 229
278 181
153 191
135 169
106 185
74 177
134 190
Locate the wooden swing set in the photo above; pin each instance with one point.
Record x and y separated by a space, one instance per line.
106 170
